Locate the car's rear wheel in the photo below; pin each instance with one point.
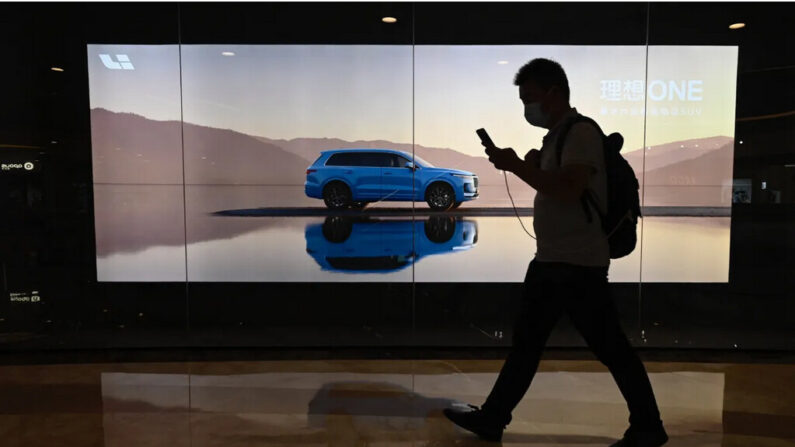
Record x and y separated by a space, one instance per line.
440 196
439 229
337 229
337 195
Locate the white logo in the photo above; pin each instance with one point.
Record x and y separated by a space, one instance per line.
658 90
122 64
28 166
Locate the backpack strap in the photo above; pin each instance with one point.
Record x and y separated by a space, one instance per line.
585 208
589 199
564 131
586 200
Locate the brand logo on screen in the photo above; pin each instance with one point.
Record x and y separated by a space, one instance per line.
658 90
666 97
122 62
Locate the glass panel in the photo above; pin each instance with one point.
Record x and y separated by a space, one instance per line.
282 251
252 216
93 243
448 112
136 146
469 293
688 163
717 242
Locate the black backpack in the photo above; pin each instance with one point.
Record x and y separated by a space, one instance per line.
623 199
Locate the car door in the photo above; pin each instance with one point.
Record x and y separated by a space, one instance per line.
367 175
360 170
397 179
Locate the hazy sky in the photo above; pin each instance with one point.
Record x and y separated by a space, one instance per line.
375 92
151 89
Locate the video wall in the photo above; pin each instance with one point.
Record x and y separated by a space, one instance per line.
290 163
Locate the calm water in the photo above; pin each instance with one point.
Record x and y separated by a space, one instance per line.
141 236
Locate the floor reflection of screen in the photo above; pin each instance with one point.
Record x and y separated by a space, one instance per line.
292 408
224 162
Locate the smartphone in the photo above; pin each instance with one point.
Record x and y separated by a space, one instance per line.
484 137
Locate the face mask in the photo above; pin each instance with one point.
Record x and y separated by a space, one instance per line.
534 115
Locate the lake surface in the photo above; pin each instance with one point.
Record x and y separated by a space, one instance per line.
145 234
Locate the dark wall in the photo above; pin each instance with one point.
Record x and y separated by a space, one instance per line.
47 221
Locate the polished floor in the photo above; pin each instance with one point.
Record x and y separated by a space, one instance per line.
378 403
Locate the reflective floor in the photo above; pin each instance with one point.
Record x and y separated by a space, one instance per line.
375 403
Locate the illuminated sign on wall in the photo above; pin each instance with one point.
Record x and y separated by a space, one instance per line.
18 166
25 297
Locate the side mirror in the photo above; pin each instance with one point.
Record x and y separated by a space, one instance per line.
411 165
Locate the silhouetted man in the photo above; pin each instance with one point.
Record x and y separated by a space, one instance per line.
569 272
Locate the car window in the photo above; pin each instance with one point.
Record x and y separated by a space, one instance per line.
375 159
368 159
396 161
425 163
342 159
400 162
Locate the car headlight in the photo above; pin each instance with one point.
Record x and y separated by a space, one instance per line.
464 176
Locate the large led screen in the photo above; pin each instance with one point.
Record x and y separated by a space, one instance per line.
205 159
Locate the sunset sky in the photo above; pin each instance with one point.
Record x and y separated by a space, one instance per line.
433 95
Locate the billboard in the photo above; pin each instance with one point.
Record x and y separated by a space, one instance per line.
202 157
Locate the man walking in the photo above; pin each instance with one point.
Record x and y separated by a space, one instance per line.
569 272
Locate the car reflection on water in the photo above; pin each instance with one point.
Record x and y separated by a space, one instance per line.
365 245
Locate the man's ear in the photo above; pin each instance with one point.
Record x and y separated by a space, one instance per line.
555 91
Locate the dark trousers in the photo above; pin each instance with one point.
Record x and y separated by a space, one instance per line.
550 289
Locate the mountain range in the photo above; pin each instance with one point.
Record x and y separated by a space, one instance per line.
132 149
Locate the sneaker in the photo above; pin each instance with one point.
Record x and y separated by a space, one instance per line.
638 438
476 421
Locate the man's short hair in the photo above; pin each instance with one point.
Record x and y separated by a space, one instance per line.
544 72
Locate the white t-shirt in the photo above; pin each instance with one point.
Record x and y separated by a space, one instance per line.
562 228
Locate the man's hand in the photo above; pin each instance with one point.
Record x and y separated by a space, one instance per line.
503 159
533 158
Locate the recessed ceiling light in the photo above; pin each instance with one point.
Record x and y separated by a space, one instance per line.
388 19
56 68
737 25
502 62
228 53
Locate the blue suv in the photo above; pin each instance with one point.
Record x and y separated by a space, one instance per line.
352 178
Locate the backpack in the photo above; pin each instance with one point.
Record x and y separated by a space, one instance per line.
623 200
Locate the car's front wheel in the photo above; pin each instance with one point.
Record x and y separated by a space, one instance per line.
337 195
440 196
